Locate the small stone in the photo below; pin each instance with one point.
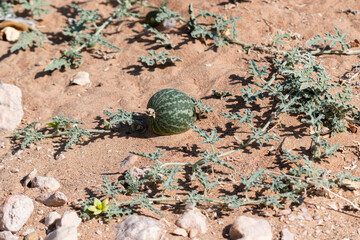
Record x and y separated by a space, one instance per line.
286 235
56 199
180 232
250 228
82 79
14 170
15 212
28 178
45 183
333 206
38 148
32 236
98 232
351 185
7 235
139 228
284 212
69 219
62 233
10 34
305 213
11 111
51 218
129 160
59 156
193 221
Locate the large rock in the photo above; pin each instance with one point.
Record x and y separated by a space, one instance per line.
56 199
248 228
15 211
11 111
45 183
139 228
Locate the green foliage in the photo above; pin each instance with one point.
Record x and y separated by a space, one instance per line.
220 94
118 117
278 37
28 134
332 40
35 7
109 189
159 58
246 118
86 33
202 107
5 9
160 38
222 31
30 39
152 156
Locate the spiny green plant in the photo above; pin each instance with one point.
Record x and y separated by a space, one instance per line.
86 33
69 129
35 7
159 58
221 94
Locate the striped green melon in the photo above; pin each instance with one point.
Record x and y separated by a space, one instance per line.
170 111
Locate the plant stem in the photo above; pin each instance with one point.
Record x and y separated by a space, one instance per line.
335 52
61 133
315 184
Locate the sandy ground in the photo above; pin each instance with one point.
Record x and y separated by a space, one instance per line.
123 82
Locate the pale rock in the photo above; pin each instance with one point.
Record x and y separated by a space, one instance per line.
15 211
11 111
45 183
63 233
7 235
139 228
193 221
10 34
286 234
249 228
29 178
51 218
82 79
56 199
180 232
69 219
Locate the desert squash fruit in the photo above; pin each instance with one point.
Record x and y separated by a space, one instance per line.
150 18
170 111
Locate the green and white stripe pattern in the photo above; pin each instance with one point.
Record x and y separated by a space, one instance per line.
172 112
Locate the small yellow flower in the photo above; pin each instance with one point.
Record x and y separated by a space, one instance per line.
99 206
